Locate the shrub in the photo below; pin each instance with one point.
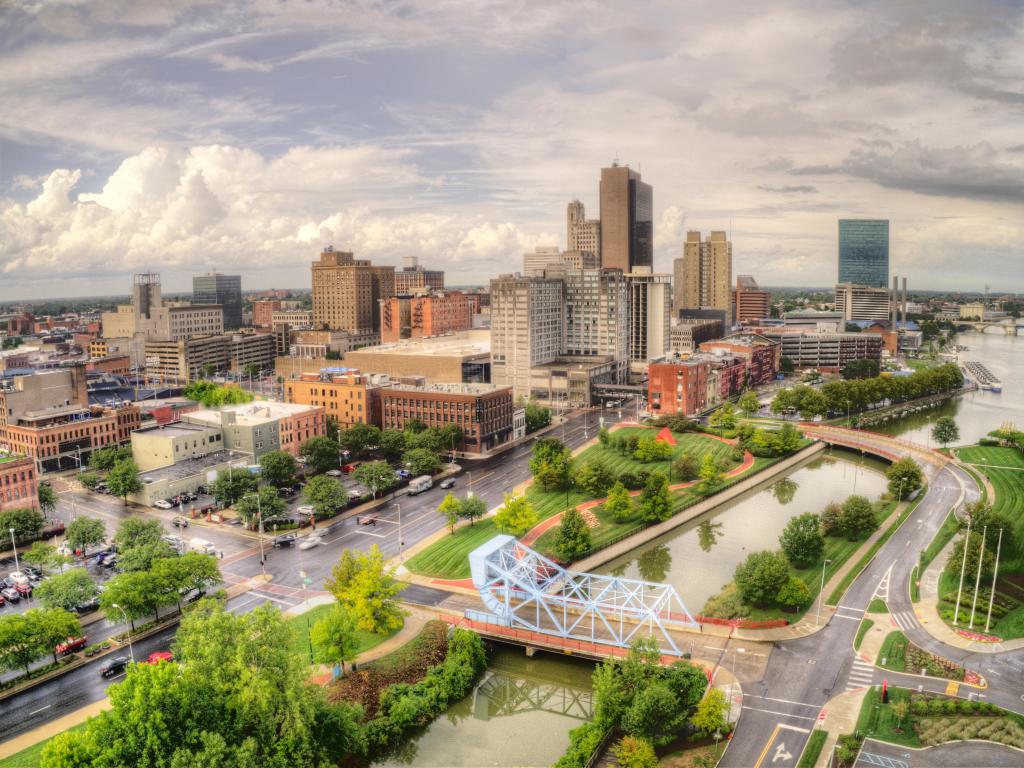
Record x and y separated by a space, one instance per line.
583 743
632 752
760 577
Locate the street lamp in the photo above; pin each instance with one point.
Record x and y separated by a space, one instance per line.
125 613
821 592
14 546
401 543
259 517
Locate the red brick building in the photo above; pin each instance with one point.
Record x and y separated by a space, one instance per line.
18 489
413 317
678 387
729 377
761 355
263 310
482 411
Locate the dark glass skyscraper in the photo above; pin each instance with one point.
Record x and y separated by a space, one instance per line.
864 252
225 290
627 219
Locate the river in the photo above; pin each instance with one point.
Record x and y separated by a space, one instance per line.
519 714
976 413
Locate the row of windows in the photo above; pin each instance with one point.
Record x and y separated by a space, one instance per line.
10 477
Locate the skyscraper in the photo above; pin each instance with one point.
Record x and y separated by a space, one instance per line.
750 303
706 273
581 234
627 219
223 290
347 292
650 317
864 252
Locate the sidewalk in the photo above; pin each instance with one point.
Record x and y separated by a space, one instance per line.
841 713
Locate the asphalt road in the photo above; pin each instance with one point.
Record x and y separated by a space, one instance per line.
975 754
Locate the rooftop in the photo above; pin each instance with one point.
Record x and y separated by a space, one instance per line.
452 389
464 344
191 467
175 429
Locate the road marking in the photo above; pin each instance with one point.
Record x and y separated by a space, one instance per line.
783 701
952 687
848 618
780 714
767 746
794 728
268 597
40 710
882 760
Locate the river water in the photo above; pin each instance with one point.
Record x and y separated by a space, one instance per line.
979 412
519 714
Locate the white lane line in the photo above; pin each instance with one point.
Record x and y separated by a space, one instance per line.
242 604
848 618
793 728
781 714
275 599
41 709
784 701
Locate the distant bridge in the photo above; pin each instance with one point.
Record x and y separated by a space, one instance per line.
1008 324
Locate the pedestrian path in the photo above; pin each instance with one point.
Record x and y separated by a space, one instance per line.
905 620
862 674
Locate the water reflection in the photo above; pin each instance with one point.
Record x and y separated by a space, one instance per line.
654 564
708 532
783 490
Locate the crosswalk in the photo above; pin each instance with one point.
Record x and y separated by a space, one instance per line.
905 620
861 675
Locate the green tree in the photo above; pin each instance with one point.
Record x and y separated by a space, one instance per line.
378 476
858 518
278 468
367 590
655 714
550 463
67 590
786 365
760 576
813 403
177 576
231 485
594 477
89 480
138 594
537 416
251 370
516 515
47 498
794 593
974 548
982 516
619 504
265 502
472 508
136 531
19 644
899 708
105 458
905 477
27 523
655 502
44 556
52 626
334 638
945 431
450 507
325 494
123 479
649 448
724 417
320 453
802 541
360 438
710 475
685 468
392 444
710 715
604 436
421 461
749 403
572 540
84 532
631 752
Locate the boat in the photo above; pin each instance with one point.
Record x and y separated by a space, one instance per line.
982 376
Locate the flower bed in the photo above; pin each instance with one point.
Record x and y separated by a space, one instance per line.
918 660
743 623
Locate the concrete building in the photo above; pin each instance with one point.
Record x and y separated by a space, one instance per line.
823 351
864 252
761 354
650 317
347 292
184 361
596 319
414 279
317 344
251 429
582 234
484 412
148 318
627 219
414 317
247 349
343 394
862 302
18 485
527 327
224 291
297 319
705 274
814 320
544 257
458 357
165 444
750 304
263 311
688 334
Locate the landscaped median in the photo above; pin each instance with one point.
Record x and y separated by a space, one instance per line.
900 655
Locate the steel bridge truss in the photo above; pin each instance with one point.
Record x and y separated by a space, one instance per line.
500 695
526 590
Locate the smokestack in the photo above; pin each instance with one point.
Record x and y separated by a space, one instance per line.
905 302
894 309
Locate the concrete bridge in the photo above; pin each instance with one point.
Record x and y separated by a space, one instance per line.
1008 325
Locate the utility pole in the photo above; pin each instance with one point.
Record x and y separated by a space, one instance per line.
963 566
995 575
977 582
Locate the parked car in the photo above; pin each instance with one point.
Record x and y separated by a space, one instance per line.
115 666
163 504
180 522
333 473
311 541
32 571
174 541
286 491
193 595
448 482
350 468
355 494
157 656
305 509
89 606
404 474
70 645
10 594
25 590
285 540
110 561
18 577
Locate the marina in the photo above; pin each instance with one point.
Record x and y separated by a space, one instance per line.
983 376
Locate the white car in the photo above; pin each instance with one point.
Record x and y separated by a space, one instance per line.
305 510
163 504
310 541
19 578
333 473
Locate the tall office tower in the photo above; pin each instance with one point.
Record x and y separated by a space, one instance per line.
414 279
862 302
222 290
650 317
678 285
750 303
864 252
527 326
627 219
347 291
596 311
146 294
581 233
707 273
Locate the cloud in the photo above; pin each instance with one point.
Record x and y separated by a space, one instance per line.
789 189
231 63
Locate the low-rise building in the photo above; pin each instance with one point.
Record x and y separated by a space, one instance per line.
678 386
186 475
569 381
62 437
251 349
343 394
761 354
824 351
162 445
690 332
18 486
484 412
250 429
183 361
459 357
415 317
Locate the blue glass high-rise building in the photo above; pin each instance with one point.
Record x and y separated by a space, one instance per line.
864 252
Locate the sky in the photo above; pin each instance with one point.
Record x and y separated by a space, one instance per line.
243 137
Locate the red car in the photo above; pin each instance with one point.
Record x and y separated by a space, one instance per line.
157 656
70 645
349 468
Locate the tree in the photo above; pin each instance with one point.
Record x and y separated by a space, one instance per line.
135 532
860 369
89 480
786 365
105 458
900 708
905 477
367 590
278 468
794 593
47 498
360 438
325 494
655 714
594 477
858 518
472 507
710 475
619 504
549 464
983 516
132 595
813 403
68 590
52 626
784 489
572 541
320 453
537 416
604 436
649 448
231 485
43 556
19 646
516 515
802 541
123 479
264 503
392 444
27 523
334 638
685 468
251 370
974 549
945 431
84 532
378 476
749 403
710 714
724 417
421 461
760 577
655 503
143 556
450 507
177 576
631 752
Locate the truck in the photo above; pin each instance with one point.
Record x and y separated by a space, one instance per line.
420 484
202 545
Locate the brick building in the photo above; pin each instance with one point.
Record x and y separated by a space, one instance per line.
18 488
412 317
345 395
263 310
762 355
678 387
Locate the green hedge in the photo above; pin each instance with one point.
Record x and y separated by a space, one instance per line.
583 743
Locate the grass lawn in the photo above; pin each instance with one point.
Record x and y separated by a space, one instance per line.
877 721
893 652
813 749
877 605
300 638
945 533
30 756
915 589
698 757
862 630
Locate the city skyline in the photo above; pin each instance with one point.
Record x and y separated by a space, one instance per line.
194 139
